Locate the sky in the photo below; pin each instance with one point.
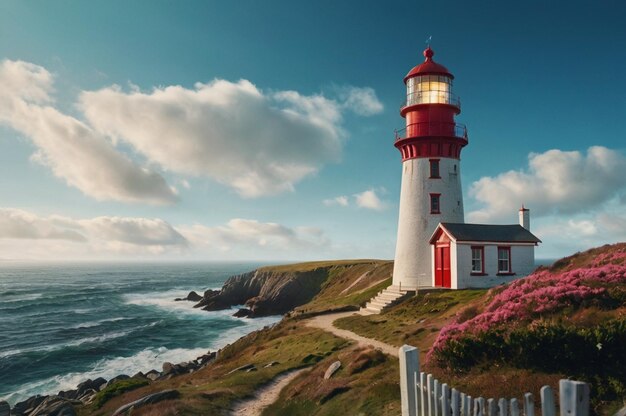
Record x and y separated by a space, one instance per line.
247 130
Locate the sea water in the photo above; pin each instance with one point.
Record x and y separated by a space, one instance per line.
61 324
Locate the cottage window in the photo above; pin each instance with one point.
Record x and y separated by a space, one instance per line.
478 259
435 207
504 259
434 168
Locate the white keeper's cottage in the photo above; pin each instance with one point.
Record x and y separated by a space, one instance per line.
435 248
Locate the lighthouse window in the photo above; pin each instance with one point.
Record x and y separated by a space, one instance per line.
435 207
429 89
504 259
434 168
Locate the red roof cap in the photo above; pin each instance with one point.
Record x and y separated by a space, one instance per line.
428 67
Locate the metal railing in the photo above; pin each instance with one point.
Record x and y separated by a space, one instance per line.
432 128
431 97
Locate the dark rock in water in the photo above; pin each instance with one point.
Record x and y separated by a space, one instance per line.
150 399
55 406
192 297
28 404
242 368
242 313
5 409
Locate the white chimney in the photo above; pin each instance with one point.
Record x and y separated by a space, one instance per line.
524 217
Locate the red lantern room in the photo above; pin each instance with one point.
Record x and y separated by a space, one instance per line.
429 111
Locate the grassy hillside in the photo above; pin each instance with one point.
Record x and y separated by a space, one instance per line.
486 342
568 320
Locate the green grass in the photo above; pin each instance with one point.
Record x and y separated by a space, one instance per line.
416 321
116 389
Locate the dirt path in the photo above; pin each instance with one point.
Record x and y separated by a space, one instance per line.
269 393
265 396
325 322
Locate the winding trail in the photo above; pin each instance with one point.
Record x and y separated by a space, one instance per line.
265 396
325 322
268 394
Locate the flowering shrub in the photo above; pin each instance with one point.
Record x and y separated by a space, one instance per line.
535 296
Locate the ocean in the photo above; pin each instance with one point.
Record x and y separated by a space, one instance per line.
61 324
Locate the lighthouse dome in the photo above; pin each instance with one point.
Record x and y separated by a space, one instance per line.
428 67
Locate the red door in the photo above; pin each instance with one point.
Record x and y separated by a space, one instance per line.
442 266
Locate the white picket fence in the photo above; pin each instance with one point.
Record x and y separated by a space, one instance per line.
423 395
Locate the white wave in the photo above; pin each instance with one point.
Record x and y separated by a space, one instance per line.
23 298
165 301
76 343
97 323
145 360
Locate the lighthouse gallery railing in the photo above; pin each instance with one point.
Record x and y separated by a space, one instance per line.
432 128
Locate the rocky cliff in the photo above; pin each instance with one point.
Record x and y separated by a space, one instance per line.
266 291
279 289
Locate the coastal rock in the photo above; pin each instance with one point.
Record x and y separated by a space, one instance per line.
87 385
5 409
28 405
55 406
266 291
242 313
332 369
246 367
192 297
152 398
153 375
117 378
139 375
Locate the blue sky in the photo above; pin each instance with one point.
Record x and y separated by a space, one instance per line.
296 159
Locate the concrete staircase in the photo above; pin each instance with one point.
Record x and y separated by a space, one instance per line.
385 299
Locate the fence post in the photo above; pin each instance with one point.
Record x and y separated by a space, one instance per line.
492 407
445 400
456 403
409 367
502 407
574 398
437 394
547 402
431 394
529 405
514 407
479 407
424 394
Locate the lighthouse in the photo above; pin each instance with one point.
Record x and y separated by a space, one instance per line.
435 247
430 146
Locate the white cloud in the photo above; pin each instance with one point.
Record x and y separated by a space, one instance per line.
361 101
370 200
19 224
25 235
341 200
245 233
556 182
257 143
70 148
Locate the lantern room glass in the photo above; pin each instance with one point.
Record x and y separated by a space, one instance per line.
429 89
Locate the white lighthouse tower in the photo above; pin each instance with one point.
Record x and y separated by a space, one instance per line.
430 146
